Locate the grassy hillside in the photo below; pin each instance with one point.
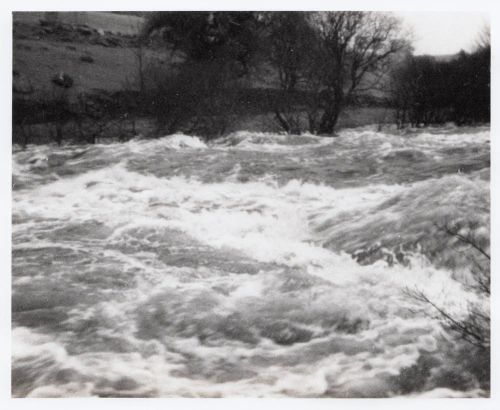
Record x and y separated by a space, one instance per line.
111 69
41 50
96 62
122 23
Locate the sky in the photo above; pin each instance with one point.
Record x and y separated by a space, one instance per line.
444 32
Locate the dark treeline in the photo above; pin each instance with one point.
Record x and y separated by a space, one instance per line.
428 91
302 69
319 63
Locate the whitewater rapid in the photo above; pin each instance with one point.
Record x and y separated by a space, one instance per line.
255 265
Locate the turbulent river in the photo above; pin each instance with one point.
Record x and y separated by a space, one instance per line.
253 265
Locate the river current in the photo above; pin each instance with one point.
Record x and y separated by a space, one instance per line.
259 265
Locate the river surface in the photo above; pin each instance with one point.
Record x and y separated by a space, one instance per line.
255 265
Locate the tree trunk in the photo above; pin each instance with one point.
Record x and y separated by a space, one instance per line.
329 120
59 133
282 122
333 100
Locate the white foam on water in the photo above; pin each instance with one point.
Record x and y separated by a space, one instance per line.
229 288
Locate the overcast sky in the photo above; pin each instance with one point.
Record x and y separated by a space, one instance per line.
444 32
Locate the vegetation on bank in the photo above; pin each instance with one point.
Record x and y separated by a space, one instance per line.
426 91
208 73
321 63
474 328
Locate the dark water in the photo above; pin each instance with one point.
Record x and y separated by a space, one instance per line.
257 265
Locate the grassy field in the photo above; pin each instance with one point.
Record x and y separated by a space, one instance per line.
112 69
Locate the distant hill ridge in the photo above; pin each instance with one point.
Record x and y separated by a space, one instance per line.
114 22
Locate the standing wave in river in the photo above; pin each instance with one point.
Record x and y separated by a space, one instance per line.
254 265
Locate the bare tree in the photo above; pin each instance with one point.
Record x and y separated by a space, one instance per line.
291 40
333 57
322 59
355 52
483 39
194 93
